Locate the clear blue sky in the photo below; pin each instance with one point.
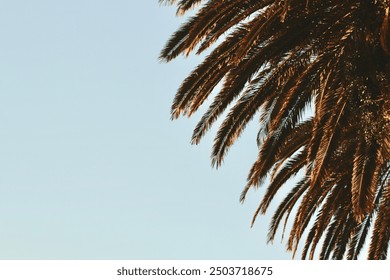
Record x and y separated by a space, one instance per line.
91 165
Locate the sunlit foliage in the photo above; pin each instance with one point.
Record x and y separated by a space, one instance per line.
275 59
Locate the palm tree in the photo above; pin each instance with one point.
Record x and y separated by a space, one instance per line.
280 60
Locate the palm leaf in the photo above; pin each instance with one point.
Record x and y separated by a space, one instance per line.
281 59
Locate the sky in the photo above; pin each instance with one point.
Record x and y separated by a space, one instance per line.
91 165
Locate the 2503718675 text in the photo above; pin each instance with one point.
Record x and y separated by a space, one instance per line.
212 271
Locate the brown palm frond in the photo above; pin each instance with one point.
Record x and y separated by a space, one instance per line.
364 179
322 221
381 233
385 32
362 229
286 207
290 169
281 59
358 238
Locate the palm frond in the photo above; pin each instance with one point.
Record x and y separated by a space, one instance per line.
279 60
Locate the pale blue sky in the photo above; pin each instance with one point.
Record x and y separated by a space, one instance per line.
91 165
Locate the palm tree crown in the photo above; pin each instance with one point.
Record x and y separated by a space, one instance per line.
275 60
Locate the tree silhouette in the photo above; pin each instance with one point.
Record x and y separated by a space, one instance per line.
275 59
